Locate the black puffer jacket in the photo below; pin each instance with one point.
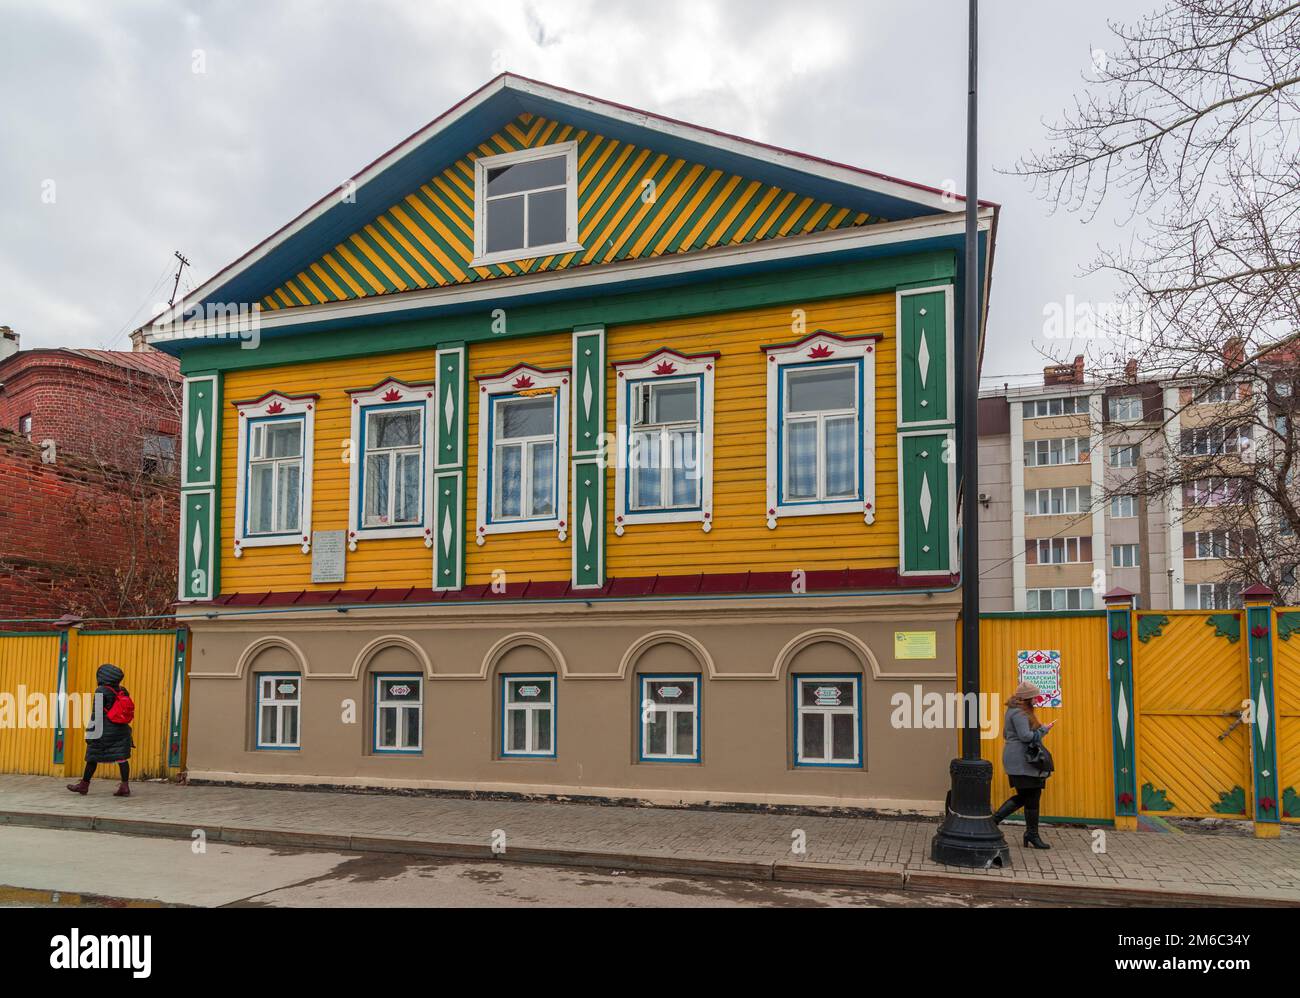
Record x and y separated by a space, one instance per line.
114 741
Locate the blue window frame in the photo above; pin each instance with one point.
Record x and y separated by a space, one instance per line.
279 708
399 714
827 720
821 427
670 719
528 716
522 457
665 444
392 466
273 473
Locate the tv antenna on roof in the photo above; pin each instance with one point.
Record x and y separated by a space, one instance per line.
181 266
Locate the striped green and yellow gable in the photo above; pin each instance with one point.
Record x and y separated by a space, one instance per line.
427 239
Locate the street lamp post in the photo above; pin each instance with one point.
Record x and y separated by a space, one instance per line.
968 836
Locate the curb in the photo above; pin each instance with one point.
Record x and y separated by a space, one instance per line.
678 864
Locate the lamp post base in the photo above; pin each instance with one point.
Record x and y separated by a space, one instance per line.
968 837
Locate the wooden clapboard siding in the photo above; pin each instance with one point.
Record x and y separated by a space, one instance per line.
427 239
740 540
537 556
401 561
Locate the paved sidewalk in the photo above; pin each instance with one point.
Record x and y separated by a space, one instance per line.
1225 867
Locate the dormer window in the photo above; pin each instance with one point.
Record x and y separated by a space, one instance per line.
526 204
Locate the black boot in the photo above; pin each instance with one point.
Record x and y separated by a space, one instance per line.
1031 830
1011 806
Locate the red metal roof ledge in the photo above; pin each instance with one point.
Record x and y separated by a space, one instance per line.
1258 591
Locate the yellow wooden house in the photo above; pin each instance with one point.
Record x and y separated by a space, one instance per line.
568 448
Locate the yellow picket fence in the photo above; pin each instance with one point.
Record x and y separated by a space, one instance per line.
47 682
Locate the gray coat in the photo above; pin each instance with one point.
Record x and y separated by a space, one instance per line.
1017 737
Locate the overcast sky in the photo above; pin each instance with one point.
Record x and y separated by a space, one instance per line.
115 151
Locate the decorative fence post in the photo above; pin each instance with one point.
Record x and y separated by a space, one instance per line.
1263 742
1119 642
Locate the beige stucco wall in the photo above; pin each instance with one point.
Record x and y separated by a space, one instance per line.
745 652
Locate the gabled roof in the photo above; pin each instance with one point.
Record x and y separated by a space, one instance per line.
412 162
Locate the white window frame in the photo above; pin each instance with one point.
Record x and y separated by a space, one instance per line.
530 710
647 708
570 244
520 379
262 679
1066 590
274 405
1126 555
828 348
1032 495
1212 589
1233 545
1078 406
663 366
1119 403
1082 449
1116 450
1066 545
399 706
399 394
1118 503
827 761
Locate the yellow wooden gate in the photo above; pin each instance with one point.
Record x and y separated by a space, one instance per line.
147 658
1190 687
1286 694
1081 788
29 683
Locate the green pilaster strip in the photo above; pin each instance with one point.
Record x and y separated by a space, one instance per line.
588 390
1259 628
61 704
1123 755
587 521
926 502
449 530
588 524
449 513
200 541
198 546
178 699
924 365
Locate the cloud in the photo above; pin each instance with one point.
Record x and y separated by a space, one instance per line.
149 155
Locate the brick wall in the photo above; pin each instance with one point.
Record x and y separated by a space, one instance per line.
89 407
77 537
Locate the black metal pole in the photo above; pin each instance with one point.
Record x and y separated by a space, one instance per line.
970 546
968 836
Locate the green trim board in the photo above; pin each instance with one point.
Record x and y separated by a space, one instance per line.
1122 715
200 528
702 298
61 689
450 442
1263 742
927 531
925 356
177 710
587 517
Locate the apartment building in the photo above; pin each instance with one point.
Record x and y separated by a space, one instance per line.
1057 530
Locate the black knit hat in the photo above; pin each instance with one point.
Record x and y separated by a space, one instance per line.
108 675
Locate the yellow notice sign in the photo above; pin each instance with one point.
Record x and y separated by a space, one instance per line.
914 644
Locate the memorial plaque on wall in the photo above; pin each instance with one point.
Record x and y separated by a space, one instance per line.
329 550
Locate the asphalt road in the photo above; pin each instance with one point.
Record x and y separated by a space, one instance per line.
46 867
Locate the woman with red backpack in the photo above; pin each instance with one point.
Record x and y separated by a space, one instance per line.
108 735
